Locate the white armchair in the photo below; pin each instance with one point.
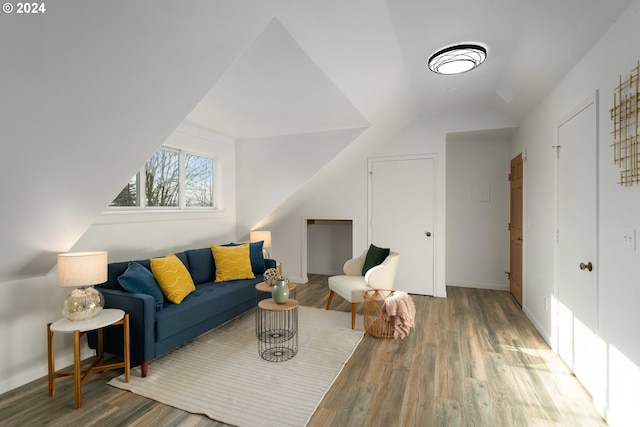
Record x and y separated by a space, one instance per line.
352 285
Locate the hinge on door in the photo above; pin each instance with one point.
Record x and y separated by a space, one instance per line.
508 273
509 226
509 177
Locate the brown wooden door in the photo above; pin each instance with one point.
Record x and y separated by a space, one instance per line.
515 229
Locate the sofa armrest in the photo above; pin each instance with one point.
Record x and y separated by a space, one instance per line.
270 263
353 267
142 316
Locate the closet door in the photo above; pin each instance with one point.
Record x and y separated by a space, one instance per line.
577 250
401 217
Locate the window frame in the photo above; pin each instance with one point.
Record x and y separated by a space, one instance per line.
141 177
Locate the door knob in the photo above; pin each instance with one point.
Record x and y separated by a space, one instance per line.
427 233
519 239
587 266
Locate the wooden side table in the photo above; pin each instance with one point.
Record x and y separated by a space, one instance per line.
107 317
277 329
263 291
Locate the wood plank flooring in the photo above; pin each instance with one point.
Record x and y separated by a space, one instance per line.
473 359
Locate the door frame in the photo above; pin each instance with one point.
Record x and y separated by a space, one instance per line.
522 156
436 228
592 99
585 103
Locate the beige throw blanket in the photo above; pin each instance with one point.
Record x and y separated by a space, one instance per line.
401 311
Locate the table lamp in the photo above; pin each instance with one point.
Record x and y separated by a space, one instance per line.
256 236
82 270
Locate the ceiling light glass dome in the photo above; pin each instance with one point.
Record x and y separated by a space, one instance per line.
457 59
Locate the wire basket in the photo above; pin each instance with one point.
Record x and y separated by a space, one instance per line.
376 321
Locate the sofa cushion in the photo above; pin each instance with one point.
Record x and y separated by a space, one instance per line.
375 256
182 256
256 256
351 288
140 280
232 262
173 277
201 265
209 300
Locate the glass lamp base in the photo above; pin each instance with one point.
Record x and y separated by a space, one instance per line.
83 303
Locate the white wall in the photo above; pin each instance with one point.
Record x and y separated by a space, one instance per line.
272 169
138 235
618 270
477 213
343 194
90 90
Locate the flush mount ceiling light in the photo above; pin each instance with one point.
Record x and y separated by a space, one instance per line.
457 59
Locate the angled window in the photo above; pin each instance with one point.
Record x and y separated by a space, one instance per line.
170 179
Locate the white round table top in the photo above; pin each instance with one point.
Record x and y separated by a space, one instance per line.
106 317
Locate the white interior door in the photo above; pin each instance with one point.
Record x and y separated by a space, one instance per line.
401 217
576 261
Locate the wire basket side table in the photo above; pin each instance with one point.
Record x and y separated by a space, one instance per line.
277 329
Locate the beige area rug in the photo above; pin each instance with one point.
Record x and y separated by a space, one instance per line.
221 375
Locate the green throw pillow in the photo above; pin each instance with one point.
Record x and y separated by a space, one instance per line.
375 256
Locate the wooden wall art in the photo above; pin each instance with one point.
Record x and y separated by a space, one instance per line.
626 128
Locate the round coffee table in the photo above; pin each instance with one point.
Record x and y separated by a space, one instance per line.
277 329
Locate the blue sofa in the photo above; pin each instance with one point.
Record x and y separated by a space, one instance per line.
154 332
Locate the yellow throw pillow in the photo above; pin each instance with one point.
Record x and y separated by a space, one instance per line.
173 277
232 262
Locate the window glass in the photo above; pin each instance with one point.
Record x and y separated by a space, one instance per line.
162 174
129 194
198 181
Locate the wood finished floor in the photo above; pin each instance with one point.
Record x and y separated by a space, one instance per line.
473 359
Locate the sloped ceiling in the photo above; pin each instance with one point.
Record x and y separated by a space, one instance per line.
531 45
274 88
91 89
306 155
281 84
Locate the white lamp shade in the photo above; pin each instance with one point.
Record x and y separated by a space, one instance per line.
82 268
256 236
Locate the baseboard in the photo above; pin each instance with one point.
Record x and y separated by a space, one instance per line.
536 324
327 272
300 280
490 286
